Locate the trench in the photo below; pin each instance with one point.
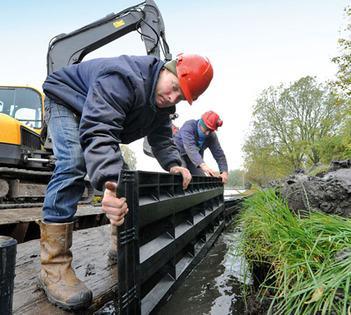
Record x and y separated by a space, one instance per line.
213 287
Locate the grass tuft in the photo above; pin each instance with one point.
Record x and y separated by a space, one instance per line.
309 257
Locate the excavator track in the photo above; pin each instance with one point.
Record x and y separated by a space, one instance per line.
26 188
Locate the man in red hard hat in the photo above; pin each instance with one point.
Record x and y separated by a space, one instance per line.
194 74
91 108
194 137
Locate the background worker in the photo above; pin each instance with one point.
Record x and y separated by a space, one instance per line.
91 108
194 137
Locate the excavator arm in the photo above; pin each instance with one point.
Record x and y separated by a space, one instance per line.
145 18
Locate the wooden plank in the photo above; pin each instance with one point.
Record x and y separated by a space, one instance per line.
18 215
90 262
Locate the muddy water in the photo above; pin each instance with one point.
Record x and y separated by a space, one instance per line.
213 287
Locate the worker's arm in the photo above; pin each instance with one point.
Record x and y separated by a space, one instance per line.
187 134
165 151
219 156
101 124
162 145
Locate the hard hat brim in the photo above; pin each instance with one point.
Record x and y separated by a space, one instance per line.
185 90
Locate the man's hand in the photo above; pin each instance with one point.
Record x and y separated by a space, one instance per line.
114 207
185 173
208 171
224 177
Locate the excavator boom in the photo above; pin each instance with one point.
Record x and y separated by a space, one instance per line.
71 48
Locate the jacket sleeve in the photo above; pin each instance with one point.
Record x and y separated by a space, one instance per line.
189 143
218 153
104 112
162 145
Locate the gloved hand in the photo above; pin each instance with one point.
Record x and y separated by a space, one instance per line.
184 172
224 177
114 207
207 170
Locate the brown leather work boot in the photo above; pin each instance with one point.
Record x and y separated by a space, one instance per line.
57 277
112 254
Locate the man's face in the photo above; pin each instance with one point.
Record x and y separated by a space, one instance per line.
205 130
168 92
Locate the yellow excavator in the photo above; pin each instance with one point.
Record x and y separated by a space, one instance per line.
26 163
24 167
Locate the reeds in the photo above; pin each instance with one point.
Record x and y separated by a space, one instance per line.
309 256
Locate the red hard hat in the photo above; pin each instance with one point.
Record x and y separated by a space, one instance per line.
212 120
195 74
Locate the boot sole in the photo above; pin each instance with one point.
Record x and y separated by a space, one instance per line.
64 306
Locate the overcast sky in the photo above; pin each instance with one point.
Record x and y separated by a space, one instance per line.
252 45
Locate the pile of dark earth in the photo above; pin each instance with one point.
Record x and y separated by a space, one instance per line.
328 191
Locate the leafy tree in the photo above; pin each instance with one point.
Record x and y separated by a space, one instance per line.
288 123
128 156
340 147
262 164
334 148
343 61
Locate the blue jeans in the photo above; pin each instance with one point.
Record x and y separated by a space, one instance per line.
66 185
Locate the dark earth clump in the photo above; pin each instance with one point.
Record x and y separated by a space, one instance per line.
329 191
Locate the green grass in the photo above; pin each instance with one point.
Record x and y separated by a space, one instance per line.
310 256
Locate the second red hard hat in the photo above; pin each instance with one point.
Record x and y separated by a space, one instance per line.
212 120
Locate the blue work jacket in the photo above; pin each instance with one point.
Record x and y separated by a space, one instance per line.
186 140
115 98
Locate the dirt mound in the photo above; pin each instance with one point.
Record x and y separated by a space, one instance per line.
329 192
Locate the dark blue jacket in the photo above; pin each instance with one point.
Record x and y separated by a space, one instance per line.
115 98
186 141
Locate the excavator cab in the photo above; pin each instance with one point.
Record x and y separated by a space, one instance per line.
21 111
23 104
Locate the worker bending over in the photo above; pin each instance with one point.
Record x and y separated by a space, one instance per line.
91 108
194 137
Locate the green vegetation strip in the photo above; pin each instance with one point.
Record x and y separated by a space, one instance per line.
309 256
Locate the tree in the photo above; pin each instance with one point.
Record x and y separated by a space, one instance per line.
335 148
128 156
263 165
343 61
340 147
288 122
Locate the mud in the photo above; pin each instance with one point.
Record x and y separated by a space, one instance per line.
329 192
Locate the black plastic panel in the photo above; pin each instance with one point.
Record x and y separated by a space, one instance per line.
166 232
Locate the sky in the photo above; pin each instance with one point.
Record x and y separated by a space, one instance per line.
252 44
